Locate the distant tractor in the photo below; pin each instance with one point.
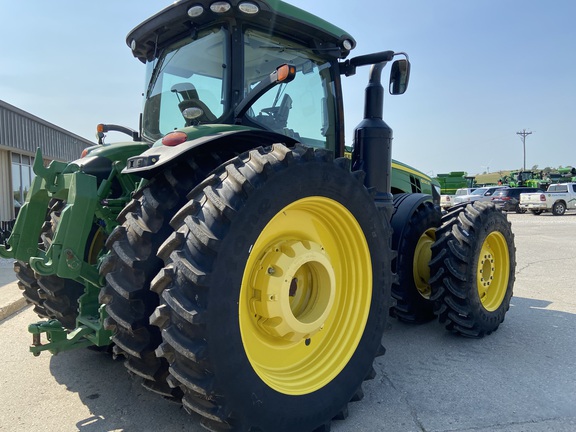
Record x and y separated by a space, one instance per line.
524 178
238 255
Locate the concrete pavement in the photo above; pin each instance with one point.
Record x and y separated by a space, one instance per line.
11 300
522 378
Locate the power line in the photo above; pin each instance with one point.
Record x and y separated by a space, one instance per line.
524 134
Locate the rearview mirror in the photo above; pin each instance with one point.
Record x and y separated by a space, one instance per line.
399 76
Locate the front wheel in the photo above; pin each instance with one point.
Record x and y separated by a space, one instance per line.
472 269
53 297
275 292
28 284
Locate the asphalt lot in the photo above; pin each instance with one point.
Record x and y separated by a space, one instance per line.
521 378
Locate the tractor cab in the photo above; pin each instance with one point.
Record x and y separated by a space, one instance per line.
206 60
190 85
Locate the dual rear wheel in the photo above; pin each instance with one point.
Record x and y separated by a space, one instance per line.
459 268
276 284
275 292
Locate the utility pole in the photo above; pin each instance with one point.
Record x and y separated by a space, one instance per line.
524 134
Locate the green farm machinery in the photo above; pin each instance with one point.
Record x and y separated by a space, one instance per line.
541 179
236 250
454 180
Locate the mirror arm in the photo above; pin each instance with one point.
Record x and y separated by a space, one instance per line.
348 67
103 128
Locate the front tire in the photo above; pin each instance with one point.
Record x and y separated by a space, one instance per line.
28 284
53 297
473 269
275 292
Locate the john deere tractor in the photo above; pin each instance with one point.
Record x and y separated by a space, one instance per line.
237 253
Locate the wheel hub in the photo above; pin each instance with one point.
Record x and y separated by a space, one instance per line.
487 270
294 290
422 257
492 273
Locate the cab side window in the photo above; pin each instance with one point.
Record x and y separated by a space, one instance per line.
302 109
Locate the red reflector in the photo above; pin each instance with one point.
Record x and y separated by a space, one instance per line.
174 138
84 153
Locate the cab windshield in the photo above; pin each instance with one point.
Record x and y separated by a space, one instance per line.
182 92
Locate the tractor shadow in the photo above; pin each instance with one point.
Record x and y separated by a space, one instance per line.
116 399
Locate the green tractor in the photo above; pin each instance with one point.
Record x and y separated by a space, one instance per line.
238 255
523 178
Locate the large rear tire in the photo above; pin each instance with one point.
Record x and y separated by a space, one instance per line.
132 263
473 269
412 289
275 292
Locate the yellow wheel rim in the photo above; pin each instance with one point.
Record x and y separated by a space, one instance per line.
493 271
305 295
96 246
420 268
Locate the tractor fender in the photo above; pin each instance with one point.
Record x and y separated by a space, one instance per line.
157 158
405 204
119 151
96 166
100 160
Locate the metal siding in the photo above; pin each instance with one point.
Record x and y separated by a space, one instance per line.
6 205
24 132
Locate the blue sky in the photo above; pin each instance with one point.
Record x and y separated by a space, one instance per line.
482 70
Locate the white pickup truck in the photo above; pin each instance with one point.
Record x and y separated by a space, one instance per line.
447 201
557 199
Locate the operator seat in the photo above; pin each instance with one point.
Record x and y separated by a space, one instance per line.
190 99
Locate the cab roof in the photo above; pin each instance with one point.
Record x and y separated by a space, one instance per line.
275 16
